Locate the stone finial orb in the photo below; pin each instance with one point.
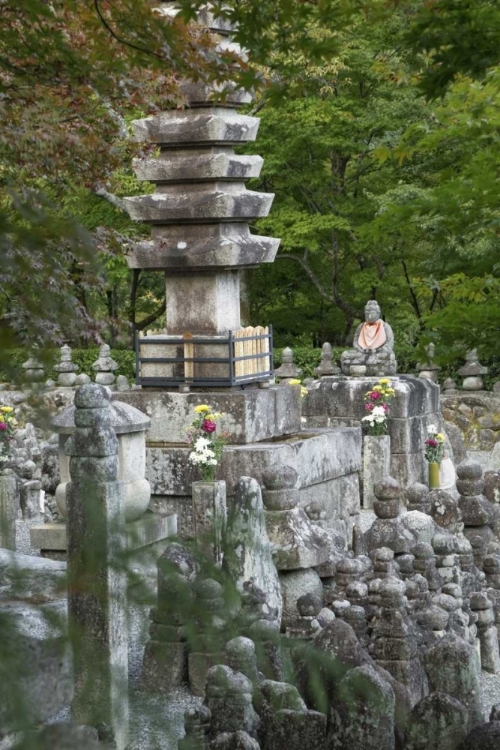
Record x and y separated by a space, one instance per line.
280 477
309 605
387 489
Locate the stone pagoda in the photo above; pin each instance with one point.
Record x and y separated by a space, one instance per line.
200 237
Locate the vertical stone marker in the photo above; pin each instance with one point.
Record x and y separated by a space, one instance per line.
97 581
8 509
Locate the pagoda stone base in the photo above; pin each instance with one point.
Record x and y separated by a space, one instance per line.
338 401
327 461
251 415
265 431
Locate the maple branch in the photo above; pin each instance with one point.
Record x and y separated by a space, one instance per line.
115 201
144 50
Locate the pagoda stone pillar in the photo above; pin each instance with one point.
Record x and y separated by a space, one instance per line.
199 214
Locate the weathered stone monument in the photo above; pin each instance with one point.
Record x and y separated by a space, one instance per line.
199 215
97 577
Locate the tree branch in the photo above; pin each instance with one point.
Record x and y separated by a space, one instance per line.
307 268
115 201
413 296
151 318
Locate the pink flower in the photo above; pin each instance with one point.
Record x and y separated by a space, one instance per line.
369 407
374 395
208 426
385 407
431 442
3 426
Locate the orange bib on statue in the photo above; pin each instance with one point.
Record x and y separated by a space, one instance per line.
372 335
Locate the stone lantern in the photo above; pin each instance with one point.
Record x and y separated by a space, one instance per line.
130 426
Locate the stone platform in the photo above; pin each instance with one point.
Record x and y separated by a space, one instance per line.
150 529
338 401
265 427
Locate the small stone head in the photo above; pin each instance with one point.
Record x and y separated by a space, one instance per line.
372 311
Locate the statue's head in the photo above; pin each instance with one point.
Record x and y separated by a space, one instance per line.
372 311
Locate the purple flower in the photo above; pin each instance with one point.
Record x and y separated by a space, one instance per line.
208 426
432 443
375 395
3 426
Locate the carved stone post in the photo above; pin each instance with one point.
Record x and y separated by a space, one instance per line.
97 581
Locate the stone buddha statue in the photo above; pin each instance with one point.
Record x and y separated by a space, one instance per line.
373 346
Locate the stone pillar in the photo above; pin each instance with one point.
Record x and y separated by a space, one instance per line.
66 368
104 367
452 666
97 580
486 631
327 364
471 372
8 509
288 370
376 464
209 517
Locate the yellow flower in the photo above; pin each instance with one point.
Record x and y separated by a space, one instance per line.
1 418
384 381
303 391
294 381
6 409
201 408
377 388
440 437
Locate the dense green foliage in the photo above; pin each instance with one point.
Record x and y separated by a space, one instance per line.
380 138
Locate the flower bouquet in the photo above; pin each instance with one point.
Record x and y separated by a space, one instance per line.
377 405
434 445
7 426
206 442
434 452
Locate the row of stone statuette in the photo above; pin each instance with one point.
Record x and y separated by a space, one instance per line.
68 377
381 646
471 372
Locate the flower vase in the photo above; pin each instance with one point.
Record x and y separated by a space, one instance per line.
209 517
434 475
376 464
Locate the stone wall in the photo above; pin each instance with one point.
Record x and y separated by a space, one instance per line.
477 415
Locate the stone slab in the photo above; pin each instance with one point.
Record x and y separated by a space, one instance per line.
339 497
213 127
213 204
148 529
252 415
316 455
342 397
207 164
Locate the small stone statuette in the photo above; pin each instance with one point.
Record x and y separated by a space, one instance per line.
327 364
66 368
104 367
288 369
429 369
373 344
471 372
33 370
449 386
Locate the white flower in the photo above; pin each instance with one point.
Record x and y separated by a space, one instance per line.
212 462
431 429
378 411
201 443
